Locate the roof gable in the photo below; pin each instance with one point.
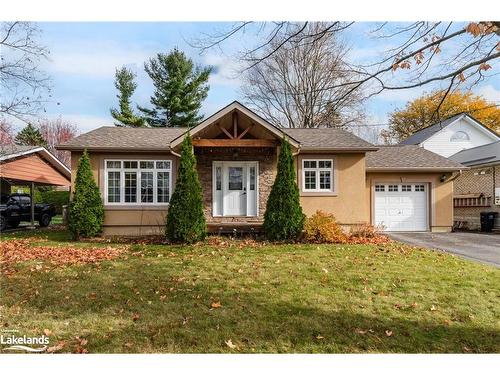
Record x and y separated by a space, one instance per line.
241 109
428 132
10 153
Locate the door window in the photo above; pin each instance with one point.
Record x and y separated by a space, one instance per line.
252 178
235 178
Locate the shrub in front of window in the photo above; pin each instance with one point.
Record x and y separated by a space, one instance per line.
323 228
185 218
284 219
86 210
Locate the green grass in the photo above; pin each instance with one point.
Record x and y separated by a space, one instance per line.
276 298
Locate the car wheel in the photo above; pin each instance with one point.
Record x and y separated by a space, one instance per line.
3 223
14 223
45 220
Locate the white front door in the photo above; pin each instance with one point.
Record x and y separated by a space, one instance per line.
401 207
235 188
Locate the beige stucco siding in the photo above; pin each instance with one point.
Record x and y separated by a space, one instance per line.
440 195
346 202
351 201
127 220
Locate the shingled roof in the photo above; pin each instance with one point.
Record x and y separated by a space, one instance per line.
122 138
328 139
409 157
485 154
158 139
8 151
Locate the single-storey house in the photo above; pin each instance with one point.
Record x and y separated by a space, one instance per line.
452 135
477 189
401 188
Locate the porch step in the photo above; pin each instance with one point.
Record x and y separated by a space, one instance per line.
235 227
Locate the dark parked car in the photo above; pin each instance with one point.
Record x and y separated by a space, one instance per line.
15 208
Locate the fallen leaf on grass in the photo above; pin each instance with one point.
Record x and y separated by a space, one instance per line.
47 332
388 333
319 337
82 342
230 344
56 348
20 250
216 305
135 317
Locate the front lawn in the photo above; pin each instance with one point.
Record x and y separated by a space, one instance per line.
239 296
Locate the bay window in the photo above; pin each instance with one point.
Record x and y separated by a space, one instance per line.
140 182
317 175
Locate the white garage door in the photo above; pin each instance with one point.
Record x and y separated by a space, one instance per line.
401 207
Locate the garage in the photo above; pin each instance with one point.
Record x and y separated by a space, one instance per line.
401 207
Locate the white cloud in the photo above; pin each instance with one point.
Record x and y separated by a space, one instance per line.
489 92
226 70
95 59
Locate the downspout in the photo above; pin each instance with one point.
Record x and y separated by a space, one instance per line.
453 178
175 153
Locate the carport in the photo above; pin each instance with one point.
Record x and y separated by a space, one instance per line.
30 166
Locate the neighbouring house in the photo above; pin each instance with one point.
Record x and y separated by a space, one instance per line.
477 189
402 188
452 135
30 165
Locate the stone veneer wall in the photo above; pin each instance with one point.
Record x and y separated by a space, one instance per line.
267 173
474 184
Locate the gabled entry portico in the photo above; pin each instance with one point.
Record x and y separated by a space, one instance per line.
236 153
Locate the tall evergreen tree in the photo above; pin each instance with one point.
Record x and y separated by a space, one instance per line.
180 89
124 83
30 136
86 210
185 218
284 218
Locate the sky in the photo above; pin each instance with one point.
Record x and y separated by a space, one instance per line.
84 56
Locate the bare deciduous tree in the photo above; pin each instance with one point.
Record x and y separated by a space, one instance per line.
55 132
289 88
454 55
6 133
24 86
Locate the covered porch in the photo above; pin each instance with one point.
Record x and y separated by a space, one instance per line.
236 154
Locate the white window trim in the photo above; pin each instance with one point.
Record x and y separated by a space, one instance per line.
318 170
137 170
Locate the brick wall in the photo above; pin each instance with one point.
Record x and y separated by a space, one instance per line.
267 172
472 181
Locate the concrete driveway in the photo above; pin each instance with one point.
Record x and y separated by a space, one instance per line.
481 247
